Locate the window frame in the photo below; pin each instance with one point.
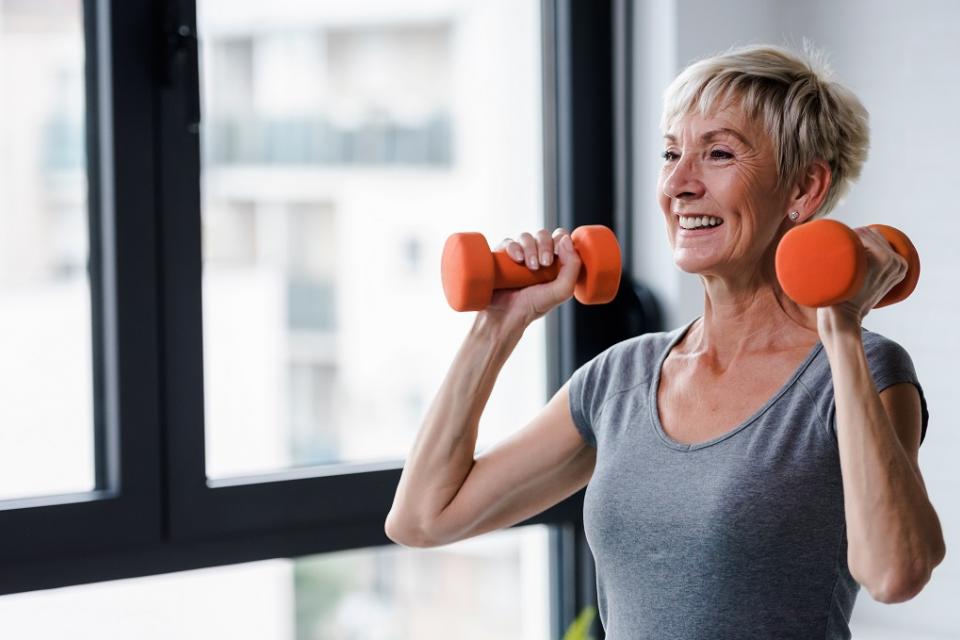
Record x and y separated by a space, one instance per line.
198 508
161 514
124 510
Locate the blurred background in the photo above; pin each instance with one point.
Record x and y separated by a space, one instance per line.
341 143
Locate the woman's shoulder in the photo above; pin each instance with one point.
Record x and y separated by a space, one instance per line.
624 365
640 348
629 361
877 343
888 359
630 353
889 364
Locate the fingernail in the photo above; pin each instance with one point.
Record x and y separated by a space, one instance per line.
544 258
532 262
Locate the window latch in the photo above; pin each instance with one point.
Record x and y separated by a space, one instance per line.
181 70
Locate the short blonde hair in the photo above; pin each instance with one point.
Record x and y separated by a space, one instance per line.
807 115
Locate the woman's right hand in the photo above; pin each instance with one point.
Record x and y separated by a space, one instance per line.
535 251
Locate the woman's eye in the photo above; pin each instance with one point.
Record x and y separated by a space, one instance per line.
716 154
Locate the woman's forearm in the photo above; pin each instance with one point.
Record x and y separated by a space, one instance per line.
443 452
893 531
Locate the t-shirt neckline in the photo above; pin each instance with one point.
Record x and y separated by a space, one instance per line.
682 446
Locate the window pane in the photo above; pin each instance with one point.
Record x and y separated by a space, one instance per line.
493 586
46 447
341 144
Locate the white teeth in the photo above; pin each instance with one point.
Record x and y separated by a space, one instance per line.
694 222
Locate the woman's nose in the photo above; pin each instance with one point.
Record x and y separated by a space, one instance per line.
683 180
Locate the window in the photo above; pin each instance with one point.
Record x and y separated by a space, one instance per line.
374 594
354 138
46 448
233 380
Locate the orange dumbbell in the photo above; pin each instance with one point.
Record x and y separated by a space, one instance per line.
471 272
823 262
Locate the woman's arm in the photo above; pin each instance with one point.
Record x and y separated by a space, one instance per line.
894 535
443 451
442 457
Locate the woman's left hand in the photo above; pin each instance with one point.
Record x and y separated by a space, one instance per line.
885 268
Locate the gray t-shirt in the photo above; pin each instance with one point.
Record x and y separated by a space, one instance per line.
741 536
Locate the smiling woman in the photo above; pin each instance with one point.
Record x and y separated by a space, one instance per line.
713 173
748 471
895 63
757 140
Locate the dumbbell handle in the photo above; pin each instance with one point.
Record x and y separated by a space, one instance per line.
470 272
509 274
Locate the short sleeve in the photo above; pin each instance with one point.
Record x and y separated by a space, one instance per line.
619 368
586 395
890 364
582 391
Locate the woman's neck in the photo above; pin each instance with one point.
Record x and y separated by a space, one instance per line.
745 320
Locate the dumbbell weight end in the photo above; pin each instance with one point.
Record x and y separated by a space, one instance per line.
902 245
822 263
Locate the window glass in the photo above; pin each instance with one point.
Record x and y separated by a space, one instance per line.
492 586
46 447
341 144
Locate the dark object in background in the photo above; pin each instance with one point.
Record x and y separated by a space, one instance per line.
634 311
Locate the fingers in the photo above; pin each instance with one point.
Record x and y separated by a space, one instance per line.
888 265
883 251
529 244
569 266
513 249
544 247
534 250
557 235
541 249
872 236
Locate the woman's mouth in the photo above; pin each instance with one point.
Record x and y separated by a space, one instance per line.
697 225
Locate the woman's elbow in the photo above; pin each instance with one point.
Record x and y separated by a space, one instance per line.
405 536
904 586
897 590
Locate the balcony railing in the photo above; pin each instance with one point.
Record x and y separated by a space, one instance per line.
317 141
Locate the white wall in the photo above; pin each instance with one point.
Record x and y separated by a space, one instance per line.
899 59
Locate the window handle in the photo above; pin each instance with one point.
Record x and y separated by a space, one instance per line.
181 70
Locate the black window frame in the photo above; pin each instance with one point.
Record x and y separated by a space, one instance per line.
158 513
124 509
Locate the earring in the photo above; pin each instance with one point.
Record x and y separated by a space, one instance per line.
794 215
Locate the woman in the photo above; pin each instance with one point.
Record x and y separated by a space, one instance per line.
747 471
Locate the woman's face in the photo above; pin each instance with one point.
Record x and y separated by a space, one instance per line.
721 166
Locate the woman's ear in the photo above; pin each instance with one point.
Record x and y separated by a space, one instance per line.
811 190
